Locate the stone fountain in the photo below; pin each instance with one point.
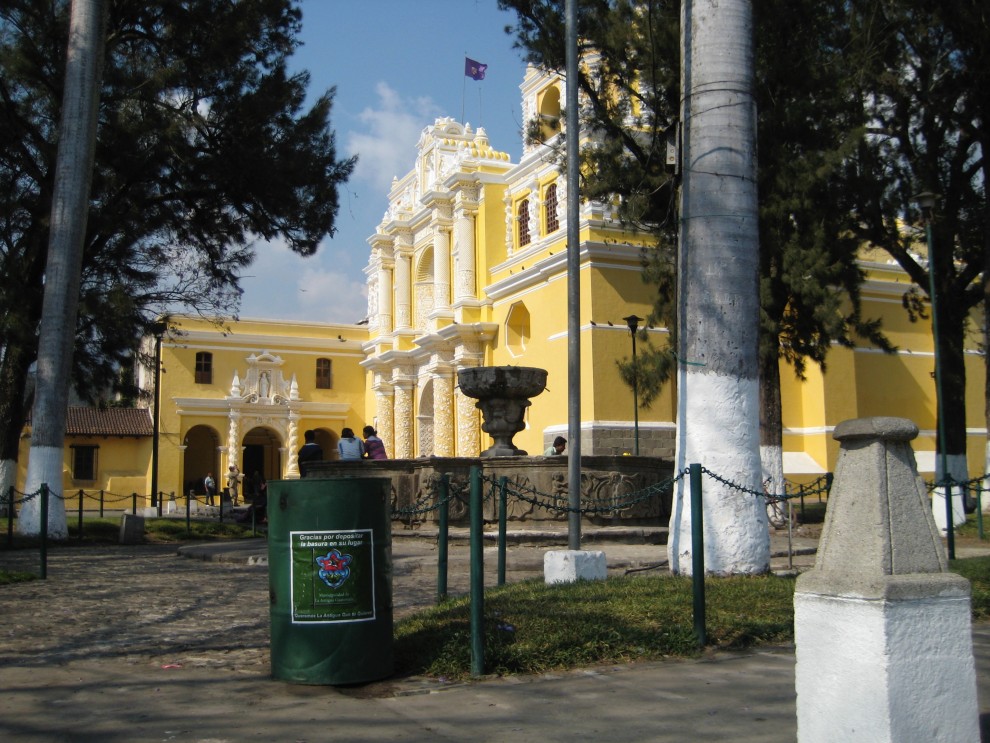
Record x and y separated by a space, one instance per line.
503 394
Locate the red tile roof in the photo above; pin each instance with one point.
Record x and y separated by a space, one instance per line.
108 422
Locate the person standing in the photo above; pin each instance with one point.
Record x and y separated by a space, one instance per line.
233 483
310 452
350 446
374 447
210 486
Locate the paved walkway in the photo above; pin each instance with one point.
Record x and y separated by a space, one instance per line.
140 644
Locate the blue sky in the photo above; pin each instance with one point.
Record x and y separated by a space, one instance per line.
397 66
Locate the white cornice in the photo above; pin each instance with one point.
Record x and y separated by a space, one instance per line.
592 255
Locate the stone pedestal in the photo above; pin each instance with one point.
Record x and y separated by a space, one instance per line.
131 529
882 629
569 566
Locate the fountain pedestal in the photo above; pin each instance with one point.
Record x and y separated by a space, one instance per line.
503 394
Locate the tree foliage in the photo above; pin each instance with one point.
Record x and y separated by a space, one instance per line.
922 84
808 126
205 145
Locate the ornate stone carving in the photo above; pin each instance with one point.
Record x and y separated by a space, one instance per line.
468 427
403 421
443 415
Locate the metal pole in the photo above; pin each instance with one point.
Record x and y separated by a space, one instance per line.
698 555
81 496
156 422
442 538
10 516
43 494
633 322
477 578
503 484
573 134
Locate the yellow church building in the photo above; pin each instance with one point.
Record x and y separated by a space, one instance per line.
468 268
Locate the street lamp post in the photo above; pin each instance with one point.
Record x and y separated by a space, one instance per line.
633 322
158 330
926 202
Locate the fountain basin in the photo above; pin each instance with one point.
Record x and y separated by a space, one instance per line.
503 394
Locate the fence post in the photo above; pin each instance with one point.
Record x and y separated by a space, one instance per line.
81 496
157 497
189 500
443 529
43 494
979 511
10 515
698 555
101 504
477 577
134 503
502 508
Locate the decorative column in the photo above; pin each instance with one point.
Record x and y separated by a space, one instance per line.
403 303
384 398
403 426
441 257
468 426
443 413
464 215
233 440
291 444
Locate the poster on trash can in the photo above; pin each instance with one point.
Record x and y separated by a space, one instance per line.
333 576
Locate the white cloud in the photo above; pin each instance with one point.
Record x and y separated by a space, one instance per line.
326 287
388 145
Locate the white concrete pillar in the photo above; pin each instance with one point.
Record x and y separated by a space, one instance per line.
882 629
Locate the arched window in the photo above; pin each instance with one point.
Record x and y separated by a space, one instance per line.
204 367
551 222
324 374
522 215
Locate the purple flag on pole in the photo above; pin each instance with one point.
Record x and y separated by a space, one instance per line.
474 70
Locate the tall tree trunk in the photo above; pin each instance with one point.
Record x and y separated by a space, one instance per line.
70 207
718 390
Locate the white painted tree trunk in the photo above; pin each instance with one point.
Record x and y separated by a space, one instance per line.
73 174
718 391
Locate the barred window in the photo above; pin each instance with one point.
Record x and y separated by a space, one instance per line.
522 214
552 223
84 463
324 374
204 367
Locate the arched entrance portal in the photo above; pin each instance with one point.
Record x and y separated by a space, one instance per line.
262 453
202 456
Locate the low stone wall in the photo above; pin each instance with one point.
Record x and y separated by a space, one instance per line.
605 482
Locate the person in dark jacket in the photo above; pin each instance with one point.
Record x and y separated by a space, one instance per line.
310 452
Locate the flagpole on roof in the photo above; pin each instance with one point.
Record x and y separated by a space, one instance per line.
463 88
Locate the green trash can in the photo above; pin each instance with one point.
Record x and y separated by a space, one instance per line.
330 579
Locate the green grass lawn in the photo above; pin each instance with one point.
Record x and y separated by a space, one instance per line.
533 628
